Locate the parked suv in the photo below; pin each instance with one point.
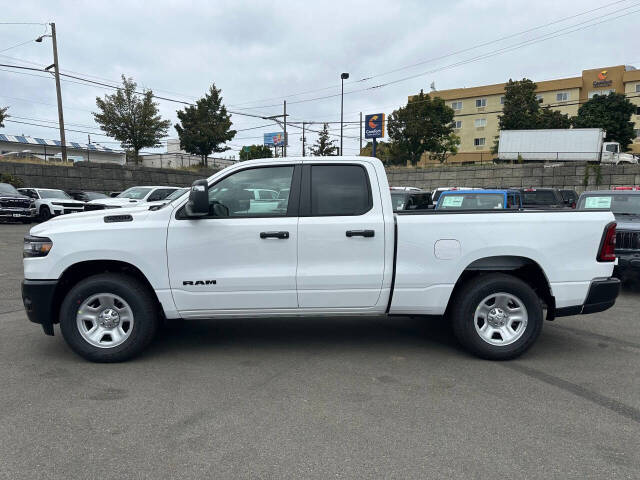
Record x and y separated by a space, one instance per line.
625 205
85 196
131 197
14 205
50 202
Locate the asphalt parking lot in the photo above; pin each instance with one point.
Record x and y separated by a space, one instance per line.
319 398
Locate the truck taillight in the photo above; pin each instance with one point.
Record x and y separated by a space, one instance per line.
607 251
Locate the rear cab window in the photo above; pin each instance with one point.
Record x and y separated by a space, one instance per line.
472 201
339 190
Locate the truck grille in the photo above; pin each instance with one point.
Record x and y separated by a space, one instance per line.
68 204
627 240
15 202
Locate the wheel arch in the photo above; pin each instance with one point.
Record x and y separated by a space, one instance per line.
524 268
81 270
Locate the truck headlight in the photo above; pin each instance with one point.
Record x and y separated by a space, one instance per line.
36 246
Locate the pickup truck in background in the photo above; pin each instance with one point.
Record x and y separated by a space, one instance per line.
330 245
14 205
625 205
543 198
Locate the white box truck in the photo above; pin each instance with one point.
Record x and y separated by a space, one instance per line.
561 145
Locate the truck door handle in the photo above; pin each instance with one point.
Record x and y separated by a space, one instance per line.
281 235
361 233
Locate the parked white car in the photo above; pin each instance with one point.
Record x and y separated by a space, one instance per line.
329 245
134 196
51 202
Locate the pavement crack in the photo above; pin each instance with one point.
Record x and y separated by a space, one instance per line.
604 338
620 408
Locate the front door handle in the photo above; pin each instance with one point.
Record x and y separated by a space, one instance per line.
281 235
361 233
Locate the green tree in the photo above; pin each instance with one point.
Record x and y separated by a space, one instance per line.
610 112
205 127
3 115
131 118
255 151
521 107
425 125
548 118
386 152
324 146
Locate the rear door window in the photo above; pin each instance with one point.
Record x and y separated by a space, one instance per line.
339 190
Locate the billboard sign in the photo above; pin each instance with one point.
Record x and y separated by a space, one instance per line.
275 139
374 125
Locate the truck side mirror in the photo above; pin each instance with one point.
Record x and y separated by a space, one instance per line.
198 204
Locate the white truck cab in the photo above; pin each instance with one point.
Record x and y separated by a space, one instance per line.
325 242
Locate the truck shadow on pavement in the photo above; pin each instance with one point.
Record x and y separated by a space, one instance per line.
303 333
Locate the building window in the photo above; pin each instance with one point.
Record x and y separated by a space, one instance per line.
593 93
502 100
539 98
637 87
480 122
637 132
562 96
457 124
481 102
478 142
456 105
637 112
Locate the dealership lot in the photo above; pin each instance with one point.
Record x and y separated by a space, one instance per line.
318 398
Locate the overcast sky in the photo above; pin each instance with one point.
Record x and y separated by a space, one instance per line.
260 53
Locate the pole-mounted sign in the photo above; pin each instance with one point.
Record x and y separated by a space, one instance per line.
374 128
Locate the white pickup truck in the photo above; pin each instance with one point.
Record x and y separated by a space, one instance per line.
327 244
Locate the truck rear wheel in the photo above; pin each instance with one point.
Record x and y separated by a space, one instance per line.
108 317
497 316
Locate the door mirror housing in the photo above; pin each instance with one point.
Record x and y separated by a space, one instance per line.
198 204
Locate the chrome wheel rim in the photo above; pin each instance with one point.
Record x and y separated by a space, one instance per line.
104 320
500 319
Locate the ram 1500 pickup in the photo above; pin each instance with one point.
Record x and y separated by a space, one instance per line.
325 243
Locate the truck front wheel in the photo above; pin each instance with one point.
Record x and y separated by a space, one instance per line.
497 316
108 317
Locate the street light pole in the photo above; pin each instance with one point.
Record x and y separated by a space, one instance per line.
56 67
343 77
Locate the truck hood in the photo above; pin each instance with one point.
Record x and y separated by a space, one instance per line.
85 220
117 202
19 196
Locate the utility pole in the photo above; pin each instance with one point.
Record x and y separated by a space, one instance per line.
343 76
360 132
284 149
88 148
303 139
63 143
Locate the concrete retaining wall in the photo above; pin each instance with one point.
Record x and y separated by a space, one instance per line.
98 177
538 175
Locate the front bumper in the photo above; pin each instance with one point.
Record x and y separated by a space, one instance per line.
37 297
17 212
602 296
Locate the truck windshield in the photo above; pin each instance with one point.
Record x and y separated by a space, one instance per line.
53 194
617 203
472 201
136 193
6 188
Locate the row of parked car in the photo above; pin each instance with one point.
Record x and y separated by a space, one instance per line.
470 198
624 203
40 204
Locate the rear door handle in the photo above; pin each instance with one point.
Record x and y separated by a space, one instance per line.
281 235
361 233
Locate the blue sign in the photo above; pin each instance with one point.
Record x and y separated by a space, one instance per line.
275 139
374 125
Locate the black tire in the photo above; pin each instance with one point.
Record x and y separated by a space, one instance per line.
139 299
45 213
470 296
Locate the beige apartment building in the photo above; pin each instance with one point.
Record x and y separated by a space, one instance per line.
477 108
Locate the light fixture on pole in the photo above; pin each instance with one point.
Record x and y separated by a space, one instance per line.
343 77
